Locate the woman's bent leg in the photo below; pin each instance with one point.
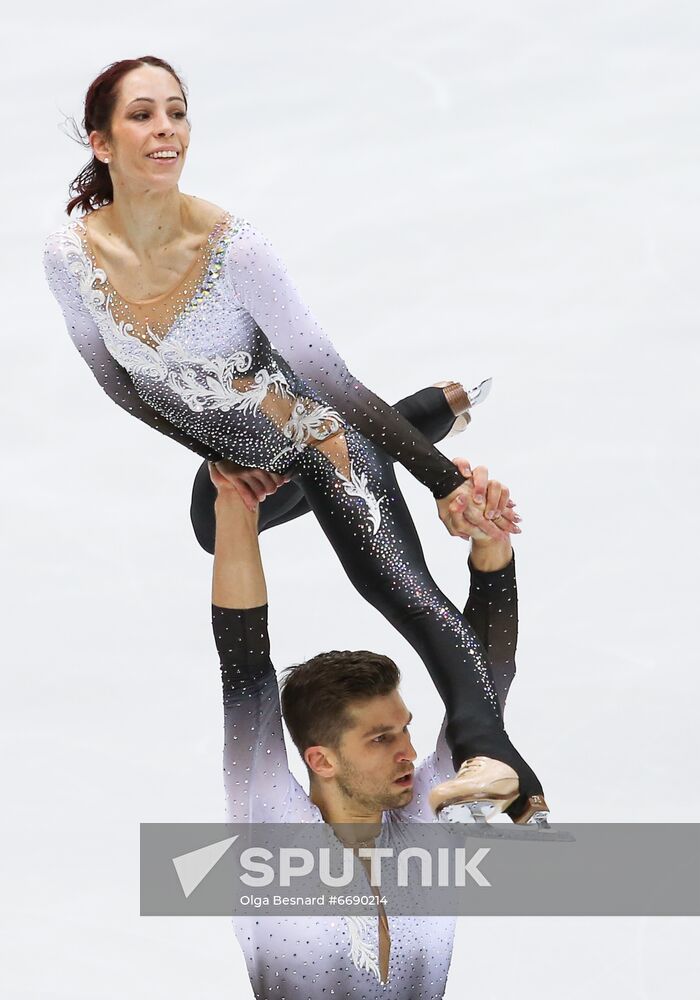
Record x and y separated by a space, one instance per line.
351 487
428 410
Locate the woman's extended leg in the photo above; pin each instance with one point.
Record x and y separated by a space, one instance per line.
351 488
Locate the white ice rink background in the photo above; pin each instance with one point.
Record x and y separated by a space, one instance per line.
459 190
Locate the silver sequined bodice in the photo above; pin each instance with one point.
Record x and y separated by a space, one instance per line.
232 363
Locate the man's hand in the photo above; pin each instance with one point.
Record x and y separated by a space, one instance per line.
231 506
480 509
252 485
238 580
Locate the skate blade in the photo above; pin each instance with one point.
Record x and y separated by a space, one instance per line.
528 832
479 393
540 819
476 816
537 828
478 811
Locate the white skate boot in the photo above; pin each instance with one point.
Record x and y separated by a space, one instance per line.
481 789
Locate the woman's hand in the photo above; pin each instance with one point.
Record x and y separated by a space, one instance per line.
480 509
493 500
252 485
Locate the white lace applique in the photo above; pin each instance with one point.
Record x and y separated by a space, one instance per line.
318 423
304 424
203 383
131 352
362 953
210 385
357 486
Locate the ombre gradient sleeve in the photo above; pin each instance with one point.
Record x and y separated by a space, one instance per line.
263 287
86 337
258 784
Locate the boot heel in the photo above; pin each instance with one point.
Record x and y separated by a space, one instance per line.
535 813
461 401
458 401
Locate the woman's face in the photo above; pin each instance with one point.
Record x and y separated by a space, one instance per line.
149 114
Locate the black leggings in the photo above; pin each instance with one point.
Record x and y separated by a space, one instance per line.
365 518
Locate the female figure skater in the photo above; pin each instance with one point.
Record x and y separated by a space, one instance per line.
189 321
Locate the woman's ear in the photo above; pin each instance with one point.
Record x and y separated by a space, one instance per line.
100 147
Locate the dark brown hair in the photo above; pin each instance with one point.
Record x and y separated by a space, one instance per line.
316 695
93 185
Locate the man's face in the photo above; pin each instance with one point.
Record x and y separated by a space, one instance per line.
375 756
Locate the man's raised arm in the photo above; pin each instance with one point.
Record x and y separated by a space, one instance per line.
238 580
492 608
256 774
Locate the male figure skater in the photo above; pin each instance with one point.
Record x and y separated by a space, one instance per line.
348 720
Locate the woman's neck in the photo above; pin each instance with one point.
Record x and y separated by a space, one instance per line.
148 223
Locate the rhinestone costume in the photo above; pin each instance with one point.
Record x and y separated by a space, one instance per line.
231 363
310 957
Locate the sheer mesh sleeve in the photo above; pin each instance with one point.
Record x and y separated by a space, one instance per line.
492 610
257 780
87 338
265 290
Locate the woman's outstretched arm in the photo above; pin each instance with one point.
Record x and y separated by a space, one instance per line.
262 286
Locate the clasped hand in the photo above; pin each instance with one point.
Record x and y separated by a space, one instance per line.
480 508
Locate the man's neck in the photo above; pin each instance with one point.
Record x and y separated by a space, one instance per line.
356 823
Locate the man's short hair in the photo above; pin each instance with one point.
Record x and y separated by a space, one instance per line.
316 695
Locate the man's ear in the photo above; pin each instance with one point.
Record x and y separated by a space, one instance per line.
321 761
